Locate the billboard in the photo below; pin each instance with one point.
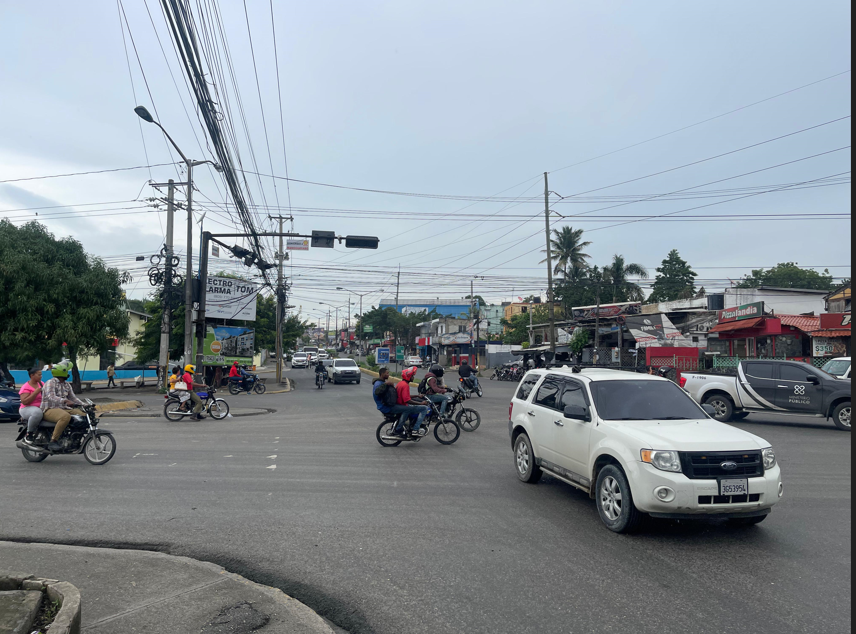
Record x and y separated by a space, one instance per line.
227 298
746 311
835 321
606 311
459 311
382 356
226 344
656 330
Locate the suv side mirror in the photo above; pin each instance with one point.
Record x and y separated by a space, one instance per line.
811 378
577 412
709 409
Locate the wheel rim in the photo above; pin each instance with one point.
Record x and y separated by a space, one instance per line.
387 429
445 431
173 411
720 406
522 457
217 411
467 420
99 448
844 417
611 498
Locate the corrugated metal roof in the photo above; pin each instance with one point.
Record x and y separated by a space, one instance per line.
806 323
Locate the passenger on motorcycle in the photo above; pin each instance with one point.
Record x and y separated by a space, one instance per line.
435 390
466 372
404 398
31 399
58 402
236 372
198 406
386 399
175 377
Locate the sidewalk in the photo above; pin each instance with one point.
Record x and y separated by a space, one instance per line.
147 412
134 591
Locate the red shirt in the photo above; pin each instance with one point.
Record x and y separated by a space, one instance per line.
233 371
403 389
187 377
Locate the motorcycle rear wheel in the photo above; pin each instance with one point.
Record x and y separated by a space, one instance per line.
260 388
100 448
447 431
386 429
33 456
218 409
234 388
171 410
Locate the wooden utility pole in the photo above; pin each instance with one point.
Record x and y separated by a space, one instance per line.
552 334
166 318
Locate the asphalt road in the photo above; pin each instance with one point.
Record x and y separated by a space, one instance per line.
428 539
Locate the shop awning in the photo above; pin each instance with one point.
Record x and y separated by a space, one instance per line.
830 333
744 324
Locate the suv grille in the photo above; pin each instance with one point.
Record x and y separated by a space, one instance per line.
705 466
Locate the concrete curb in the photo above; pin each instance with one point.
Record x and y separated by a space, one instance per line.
118 406
258 411
67 620
285 391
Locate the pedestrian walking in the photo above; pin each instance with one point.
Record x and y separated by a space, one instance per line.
111 376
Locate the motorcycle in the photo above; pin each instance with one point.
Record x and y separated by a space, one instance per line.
178 405
446 430
320 379
469 386
81 436
253 384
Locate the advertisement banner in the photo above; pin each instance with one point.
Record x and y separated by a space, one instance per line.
835 321
382 356
455 338
297 244
746 311
227 298
606 311
656 330
226 344
461 311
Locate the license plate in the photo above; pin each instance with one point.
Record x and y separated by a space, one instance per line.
734 487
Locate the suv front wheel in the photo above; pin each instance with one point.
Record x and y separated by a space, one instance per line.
615 502
524 460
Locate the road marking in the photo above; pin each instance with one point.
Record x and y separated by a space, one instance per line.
145 454
275 442
273 457
273 466
173 464
228 456
276 437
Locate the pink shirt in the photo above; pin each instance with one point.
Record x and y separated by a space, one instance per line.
26 388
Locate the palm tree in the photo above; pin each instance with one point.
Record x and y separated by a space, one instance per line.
567 251
618 272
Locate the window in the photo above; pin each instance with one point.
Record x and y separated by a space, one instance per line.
529 383
788 346
643 400
794 373
760 370
574 394
548 394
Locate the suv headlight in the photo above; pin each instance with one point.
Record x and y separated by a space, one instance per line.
769 457
663 460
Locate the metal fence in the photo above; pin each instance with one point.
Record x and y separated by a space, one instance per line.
729 365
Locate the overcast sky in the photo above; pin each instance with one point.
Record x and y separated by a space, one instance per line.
452 98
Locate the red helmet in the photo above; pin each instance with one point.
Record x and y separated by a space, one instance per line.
408 374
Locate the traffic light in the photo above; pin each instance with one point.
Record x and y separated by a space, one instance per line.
324 239
361 242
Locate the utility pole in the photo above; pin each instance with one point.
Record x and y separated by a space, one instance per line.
166 318
280 301
531 332
188 280
596 358
549 268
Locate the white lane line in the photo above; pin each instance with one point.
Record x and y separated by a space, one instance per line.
273 457
228 456
173 464
272 467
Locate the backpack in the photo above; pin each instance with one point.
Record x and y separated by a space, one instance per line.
423 384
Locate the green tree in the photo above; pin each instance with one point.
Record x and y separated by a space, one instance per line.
617 273
578 289
516 329
479 299
147 341
789 275
675 279
566 246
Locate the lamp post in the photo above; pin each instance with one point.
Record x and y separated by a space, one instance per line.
336 326
145 115
360 295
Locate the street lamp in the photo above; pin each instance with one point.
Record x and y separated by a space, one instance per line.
360 295
337 314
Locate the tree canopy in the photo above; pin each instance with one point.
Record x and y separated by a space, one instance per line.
789 275
675 279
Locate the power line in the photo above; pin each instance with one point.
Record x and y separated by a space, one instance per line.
117 169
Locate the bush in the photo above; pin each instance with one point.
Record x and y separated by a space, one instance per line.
371 361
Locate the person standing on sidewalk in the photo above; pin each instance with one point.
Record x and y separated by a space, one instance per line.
111 375
31 400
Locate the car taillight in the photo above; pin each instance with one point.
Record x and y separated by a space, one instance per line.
510 410
683 381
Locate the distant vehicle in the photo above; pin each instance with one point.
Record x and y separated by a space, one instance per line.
781 387
310 350
411 361
638 444
346 371
133 365
322 354
10 402
300 360
839 367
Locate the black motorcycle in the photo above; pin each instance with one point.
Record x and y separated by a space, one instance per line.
446 430
468 384
81 436
248 383
178 405
320 379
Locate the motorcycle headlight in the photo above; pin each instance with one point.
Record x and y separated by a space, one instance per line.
769 457
663 460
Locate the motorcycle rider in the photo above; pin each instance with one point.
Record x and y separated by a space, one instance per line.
320 368
58 400
31 399
198 406
466 372
404 398
435 390
386 399
237 371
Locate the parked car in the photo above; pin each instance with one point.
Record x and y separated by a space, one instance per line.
299 360
411 361
346 371
839 367
781 387
638 444
10 402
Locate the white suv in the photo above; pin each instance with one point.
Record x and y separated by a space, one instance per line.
639 445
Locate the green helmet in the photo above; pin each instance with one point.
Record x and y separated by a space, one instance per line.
61 370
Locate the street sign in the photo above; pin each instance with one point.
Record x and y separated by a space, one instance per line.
323 239
297 244
215 251
382 356
399 353
368 328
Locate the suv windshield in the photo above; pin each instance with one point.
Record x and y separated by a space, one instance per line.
838 367
643 400
346 363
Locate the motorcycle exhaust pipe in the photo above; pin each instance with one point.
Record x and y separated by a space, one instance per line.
20 445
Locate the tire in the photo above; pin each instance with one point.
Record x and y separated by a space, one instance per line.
723 406
447 432
100 449
33 456
480 392
615 501
234 388
468 419
218 409
385 429
170 409
493 376
739 416
358 381
259 388
746 521
524 461
841 416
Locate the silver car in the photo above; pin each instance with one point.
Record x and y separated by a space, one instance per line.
299 360
346 371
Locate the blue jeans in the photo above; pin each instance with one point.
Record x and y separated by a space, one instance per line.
442 399
406 411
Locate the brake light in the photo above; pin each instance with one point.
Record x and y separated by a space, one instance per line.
510 410
683 381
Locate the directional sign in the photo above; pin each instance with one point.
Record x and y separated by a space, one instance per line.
382 356
399 353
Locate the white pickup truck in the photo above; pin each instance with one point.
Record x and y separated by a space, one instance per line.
639 445
771 386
